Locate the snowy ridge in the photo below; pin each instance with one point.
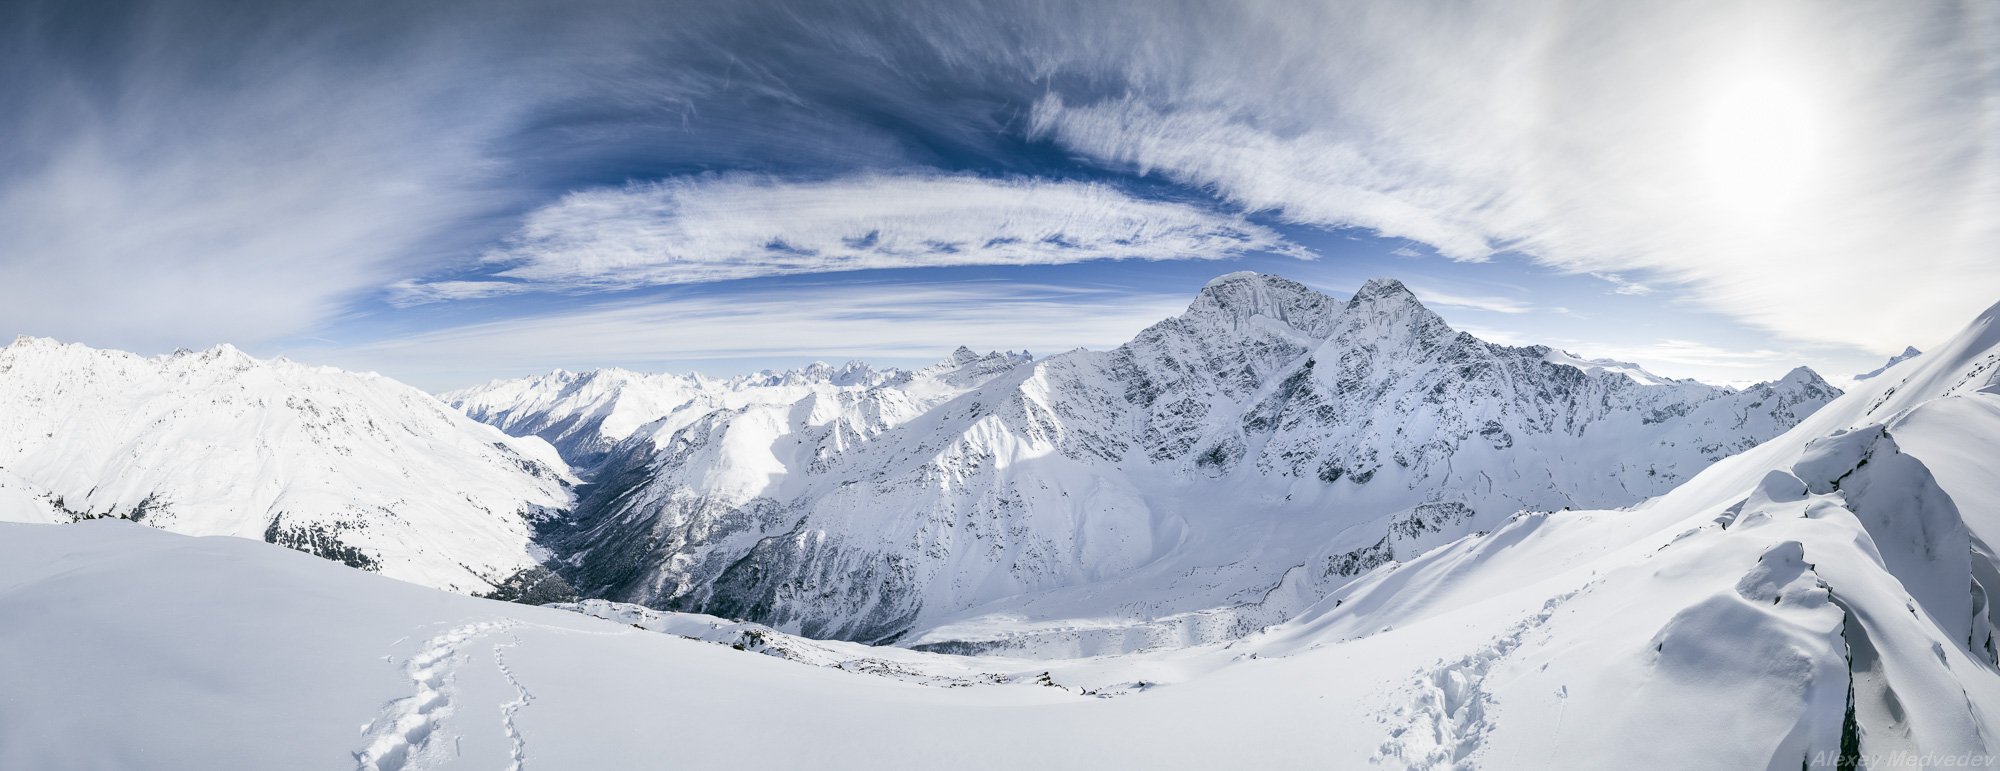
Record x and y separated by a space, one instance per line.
355 468
1909 352
1637 373
1832 586
1224 469
1824 594
585 414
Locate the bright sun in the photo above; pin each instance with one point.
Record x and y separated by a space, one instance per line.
1760 143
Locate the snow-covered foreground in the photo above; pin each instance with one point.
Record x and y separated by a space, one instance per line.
1827 591
153 650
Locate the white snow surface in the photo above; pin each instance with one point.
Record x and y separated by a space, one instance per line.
1729 623
354 467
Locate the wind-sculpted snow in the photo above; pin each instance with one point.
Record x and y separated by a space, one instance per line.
1222 470
354 468
1827 594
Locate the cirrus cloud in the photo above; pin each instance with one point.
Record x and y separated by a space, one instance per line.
1829 173
734 226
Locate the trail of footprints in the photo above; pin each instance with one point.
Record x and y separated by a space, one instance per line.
518 751
399 739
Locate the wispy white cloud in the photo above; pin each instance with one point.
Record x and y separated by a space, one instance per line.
721 227
188 173
1621 285
1832 175
1494 335
881 323
193 177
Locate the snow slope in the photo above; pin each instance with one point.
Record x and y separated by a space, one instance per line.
1831 587
1220 471
1827 590
23 501
1728 624
232 654
355 468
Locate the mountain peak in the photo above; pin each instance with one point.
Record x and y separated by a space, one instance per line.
1244 294
1391 295
1230 278
30 341
1803 376
1382 289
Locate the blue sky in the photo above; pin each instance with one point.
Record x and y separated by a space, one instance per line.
449 192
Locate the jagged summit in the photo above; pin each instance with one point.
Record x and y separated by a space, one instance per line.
1385 293
1383 287
1235 298
1386 310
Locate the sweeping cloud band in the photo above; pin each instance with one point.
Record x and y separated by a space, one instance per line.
724 227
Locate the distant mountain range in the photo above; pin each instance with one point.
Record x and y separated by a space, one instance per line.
1226 465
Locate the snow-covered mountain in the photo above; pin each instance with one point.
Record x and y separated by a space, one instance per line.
1828 592
355 468
1226 467
1820 601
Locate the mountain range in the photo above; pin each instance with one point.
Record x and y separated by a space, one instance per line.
1204 479
1216 474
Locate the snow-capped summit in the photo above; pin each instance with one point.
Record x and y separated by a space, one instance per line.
1381 288
1803 377
352 467
1238 297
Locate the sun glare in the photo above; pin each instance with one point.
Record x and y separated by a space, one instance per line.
1760 143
